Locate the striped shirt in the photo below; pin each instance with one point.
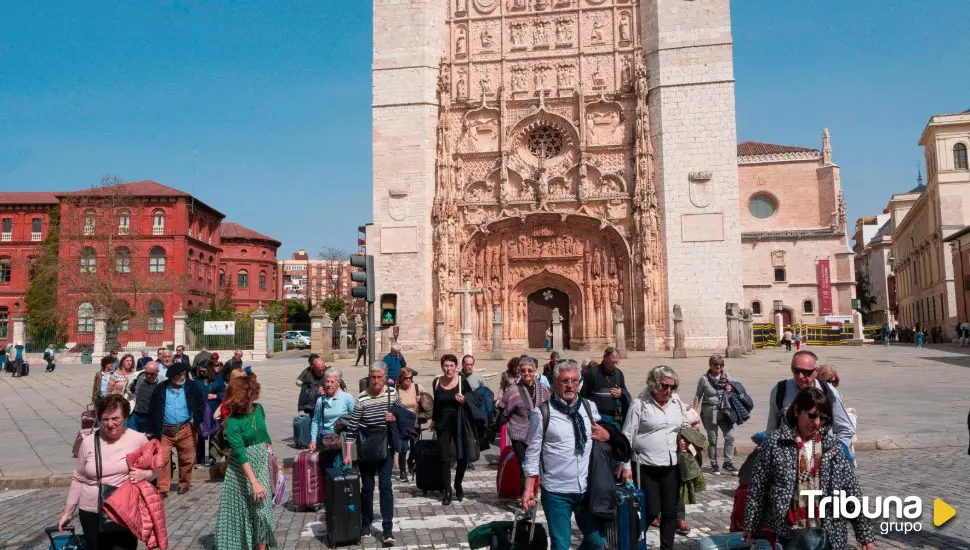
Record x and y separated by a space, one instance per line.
518 411
369 410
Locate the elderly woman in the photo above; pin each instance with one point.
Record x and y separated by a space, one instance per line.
653 425
371 413
409 393
213 388
119 381
803 455
102 462
332 405
245 518
710 391
516 405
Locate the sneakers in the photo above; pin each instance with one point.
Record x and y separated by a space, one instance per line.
729 469
715 470
388 540
404 477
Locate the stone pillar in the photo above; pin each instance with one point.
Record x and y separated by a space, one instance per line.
261 344
779 306
316 329
679 351
327 336
19 329
440 337
100 335
342 325
556 330
858 334
385 342
732 313
178 337
747 330
619 330
497 334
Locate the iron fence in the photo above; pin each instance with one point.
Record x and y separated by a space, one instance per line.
196 338
38 339
134 335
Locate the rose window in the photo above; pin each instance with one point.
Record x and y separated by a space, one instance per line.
545 142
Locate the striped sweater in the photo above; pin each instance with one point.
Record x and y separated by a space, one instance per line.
369 410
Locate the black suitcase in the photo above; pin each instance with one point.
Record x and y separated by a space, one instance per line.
24 368
342 501
427 475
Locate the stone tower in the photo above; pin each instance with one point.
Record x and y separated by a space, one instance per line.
570 155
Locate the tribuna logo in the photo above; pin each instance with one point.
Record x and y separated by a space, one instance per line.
849 507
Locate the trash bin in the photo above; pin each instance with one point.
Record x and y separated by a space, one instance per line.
86 358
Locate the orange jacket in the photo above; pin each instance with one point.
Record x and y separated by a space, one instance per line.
138 506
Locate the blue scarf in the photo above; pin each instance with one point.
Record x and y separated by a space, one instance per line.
572 412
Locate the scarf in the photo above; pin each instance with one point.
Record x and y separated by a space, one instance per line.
572 412
808 478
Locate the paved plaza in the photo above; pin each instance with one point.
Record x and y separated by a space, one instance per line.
909 400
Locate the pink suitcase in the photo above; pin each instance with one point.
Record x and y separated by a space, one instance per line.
503 441
307 481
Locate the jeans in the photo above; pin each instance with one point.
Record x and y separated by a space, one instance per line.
661 487
138 422
712 423
114 541
368 470
361 353
559 508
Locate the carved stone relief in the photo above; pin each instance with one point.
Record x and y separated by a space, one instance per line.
603 123
777 258
461 42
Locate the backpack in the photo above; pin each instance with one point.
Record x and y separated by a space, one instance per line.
425 403
781 388
544 411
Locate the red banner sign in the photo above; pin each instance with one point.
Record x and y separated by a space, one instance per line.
824 274
891 287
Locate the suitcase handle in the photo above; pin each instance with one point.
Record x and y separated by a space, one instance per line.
51 531
535 515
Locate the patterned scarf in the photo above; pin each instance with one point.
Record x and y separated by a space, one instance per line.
809 464
572 412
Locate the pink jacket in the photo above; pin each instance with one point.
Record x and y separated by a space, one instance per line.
138 506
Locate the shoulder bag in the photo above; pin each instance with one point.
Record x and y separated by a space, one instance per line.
105 524
807 539
372 441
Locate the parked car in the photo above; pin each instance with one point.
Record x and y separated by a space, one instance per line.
297 338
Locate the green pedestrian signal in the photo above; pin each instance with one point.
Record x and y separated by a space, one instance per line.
388 310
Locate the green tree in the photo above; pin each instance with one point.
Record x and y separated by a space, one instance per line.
863 292
41 296
334 307
226 307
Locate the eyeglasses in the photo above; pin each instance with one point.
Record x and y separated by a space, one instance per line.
407 378
804 372
670 387
377 377
569 381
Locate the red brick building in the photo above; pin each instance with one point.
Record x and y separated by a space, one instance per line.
138 250
249 261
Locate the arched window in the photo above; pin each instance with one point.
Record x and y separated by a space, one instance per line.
756 308
156 260
123 260
36 229
156 316
158 222
124 222
89 261
959 157
5 271
222 278
85 317
4 323
262 280
89 222
808 306
242 279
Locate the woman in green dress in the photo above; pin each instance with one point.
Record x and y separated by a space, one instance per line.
245 519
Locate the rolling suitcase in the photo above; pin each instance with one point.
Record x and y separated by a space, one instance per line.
301 431
508 475
729 541
427 476
308 487
88 418
66 540
24 368
343 507
628 531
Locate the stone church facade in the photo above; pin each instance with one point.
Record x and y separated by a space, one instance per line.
576 154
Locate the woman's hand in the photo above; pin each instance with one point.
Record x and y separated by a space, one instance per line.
683 443
65 520
389 416
347 459
431 426
626 476
135 476
212 396
312 446
869 546
747 538
460 398
259 494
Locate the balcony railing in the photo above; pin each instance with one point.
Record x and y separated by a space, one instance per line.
35 236
123 230
6 237
158 229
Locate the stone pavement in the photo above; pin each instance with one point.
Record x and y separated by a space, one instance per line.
421 522
905 397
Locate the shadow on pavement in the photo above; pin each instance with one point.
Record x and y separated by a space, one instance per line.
915 541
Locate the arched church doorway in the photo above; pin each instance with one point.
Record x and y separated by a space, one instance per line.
786 317
541 304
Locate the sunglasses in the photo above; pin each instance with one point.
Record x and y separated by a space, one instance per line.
407 378
804 372
670 387
815 416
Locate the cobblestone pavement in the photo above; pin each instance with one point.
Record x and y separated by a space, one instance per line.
421 522
890 387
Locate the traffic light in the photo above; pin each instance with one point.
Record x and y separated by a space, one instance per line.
388 310
365 291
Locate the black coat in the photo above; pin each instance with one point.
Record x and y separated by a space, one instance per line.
601 486
156 411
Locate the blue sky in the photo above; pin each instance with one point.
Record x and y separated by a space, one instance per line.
275 98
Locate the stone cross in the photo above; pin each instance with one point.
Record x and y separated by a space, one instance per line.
497 334
556 330
679 351
466 315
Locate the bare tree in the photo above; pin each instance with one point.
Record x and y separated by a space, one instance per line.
333 254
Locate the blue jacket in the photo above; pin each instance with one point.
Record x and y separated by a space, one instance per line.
394 365
327 411
217 386
404 430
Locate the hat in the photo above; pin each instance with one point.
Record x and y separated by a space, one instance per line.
175 370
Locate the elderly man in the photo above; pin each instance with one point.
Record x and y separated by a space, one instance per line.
180 357
804 367
311 382
174 417
164 362
562 438
235 363
604 386
144 360
394 362
475 380
142 388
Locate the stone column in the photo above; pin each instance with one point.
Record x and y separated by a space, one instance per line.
316 329
342 320
327 336
100 335
385 343
619 330
261 344
178 338
747 330
779 306
19 329
556 330
732 314
497 334
858 333
440 337
679 351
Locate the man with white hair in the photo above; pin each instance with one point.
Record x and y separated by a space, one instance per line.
394 362
563 430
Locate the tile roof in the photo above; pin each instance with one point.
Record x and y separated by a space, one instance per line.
27 197
231 230
146 188
751 148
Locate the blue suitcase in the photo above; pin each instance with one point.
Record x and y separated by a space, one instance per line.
301 431
628 531
66 540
